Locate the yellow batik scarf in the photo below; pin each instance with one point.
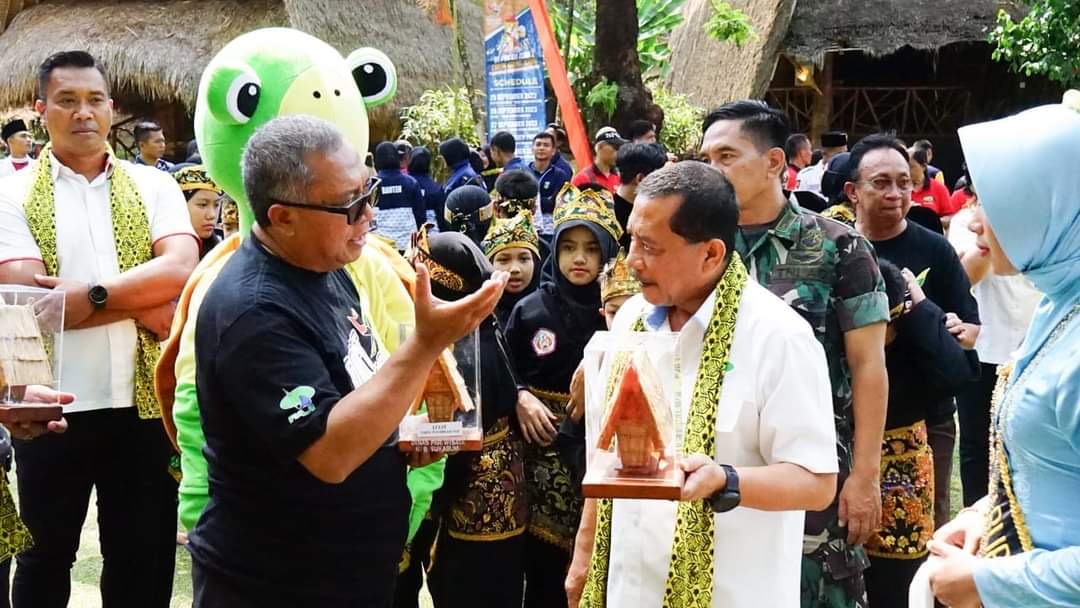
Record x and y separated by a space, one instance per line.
690 575
131 230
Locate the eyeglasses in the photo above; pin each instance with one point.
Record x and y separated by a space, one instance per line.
884 184
353 209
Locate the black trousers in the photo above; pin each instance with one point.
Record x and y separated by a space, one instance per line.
411 580
887 581
212 591
973 407
126 459
477 574
5 584
545 573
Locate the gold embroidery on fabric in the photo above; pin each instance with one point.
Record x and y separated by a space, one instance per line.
493 506
131 231
907 492
554 503
690 575
14 536
1006 532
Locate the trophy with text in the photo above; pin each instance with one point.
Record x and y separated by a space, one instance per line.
445 416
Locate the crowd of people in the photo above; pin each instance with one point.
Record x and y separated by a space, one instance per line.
834 318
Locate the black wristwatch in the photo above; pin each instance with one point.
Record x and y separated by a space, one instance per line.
728 498
98 295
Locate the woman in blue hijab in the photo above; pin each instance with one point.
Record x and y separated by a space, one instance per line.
1020 545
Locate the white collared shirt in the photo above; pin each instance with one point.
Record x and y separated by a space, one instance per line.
98 364
775 406
810 178
1006 303
7 166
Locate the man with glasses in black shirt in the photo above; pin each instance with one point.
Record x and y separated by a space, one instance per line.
300 401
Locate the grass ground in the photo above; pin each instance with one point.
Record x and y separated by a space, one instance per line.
87 569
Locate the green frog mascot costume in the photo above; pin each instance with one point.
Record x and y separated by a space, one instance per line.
257 77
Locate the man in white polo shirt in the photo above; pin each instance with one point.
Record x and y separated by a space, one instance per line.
116 238
759 432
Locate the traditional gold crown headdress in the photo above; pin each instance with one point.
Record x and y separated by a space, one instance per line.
195 178
587 205
617 280
420 250
517 231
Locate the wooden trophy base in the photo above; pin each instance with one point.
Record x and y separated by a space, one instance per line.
605 479
15 414
417 435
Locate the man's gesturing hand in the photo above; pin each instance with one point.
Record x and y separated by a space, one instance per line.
439 324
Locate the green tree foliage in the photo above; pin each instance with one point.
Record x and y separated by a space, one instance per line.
729 24
682 121
656 20
439 115
604 95
1045 42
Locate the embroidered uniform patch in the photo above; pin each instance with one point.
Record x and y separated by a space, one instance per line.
543 342
298 399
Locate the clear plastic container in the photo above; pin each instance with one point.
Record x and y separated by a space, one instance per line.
632 403
31 345
445 417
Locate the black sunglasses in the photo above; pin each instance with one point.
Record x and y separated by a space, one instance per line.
353 209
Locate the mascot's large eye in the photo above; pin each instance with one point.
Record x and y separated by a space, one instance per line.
374 74
243 97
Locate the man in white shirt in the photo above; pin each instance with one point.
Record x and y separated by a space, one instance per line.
116 238
18 140
809 179
775 443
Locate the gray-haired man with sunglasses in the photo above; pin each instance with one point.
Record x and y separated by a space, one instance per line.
299 393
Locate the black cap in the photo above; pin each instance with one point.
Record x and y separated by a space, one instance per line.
834 177
608 135
12 127
833 139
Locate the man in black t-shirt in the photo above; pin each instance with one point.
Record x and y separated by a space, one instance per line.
880 188
634 161
299 400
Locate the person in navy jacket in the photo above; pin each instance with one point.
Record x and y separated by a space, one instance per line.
401 204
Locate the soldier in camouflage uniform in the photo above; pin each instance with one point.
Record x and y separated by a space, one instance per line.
828 273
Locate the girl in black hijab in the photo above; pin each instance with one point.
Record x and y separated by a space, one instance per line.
547 332
469 211
512 245
481 510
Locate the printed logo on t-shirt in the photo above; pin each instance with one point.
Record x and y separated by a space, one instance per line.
543 342
298 399
364 354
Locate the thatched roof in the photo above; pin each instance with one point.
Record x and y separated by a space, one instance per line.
422 51
153 50
712 72
880 27
156 50
10 8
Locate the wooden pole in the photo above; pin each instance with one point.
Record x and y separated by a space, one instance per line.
821 114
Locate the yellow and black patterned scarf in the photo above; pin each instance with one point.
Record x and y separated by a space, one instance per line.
690 575
131 230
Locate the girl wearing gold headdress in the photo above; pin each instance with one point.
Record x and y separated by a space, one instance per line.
204 201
